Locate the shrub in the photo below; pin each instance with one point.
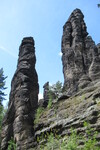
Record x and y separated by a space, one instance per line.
56 89
11 144
38 114
51 144
71 142
90 140
50 101
57 142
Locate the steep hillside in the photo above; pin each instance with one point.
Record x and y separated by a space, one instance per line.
67 114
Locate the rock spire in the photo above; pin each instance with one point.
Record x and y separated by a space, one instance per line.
81 61
18 122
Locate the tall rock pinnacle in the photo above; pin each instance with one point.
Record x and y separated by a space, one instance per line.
81 61
18 122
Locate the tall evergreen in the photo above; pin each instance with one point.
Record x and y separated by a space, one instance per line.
98 5
2 97
2 86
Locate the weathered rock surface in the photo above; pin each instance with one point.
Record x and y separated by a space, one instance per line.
46 94
18 122
81 100
44 102
81 61
78 104
71 113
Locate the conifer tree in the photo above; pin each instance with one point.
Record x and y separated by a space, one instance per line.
99 5
2 86
2 94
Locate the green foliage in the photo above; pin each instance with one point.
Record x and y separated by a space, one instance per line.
50 101
51 144
38 114
99 5
1 118
2 113
56 89
11 144
90 142
55 142
2 88
2 85
72 142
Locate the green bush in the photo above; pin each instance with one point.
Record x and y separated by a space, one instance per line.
56 89
71 142
90 140
11 144
38 114
55 142
51 144
50 101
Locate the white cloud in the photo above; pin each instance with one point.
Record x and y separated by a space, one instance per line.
8 51
60 54
40 96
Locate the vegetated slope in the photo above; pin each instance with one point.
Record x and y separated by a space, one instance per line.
81 68
71 113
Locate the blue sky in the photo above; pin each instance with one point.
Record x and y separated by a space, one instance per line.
44 20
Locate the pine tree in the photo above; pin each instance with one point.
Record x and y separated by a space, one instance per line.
98 5
2 86
56 89
2 94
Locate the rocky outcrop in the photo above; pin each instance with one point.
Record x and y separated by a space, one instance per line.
46 94
80 101
18 121
81 61
44 102
81 67
71 113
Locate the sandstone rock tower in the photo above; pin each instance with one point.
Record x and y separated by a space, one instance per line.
18 122
81 61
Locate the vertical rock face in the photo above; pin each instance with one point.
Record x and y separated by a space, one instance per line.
18 122
46 94
81 61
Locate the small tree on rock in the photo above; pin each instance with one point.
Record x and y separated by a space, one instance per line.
56 89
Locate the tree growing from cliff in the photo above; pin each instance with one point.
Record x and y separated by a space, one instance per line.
56 89
54 92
